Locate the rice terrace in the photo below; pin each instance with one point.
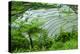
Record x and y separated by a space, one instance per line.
36 26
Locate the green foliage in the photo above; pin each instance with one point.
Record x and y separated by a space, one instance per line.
57 46
30 29
72 44
18 41
36 36
20 7
74 7
22 44
64 36
39 40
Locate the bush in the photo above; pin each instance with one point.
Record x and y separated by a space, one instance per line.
72 44
63 37
56 46
18 41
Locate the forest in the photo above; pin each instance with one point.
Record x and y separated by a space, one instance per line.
42 27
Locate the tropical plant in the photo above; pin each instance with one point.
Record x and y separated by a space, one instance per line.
30 28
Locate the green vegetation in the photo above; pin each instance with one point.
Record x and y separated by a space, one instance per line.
20 7
66 40
31 37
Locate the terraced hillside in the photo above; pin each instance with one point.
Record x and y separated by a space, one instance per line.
42 27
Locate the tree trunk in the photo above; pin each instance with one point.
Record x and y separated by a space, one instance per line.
31 43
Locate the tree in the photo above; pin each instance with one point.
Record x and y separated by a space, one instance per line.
31 27
74 8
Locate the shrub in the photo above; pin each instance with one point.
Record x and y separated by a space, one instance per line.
63 37
57 46
72 44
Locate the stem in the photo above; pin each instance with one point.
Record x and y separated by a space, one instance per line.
31 43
